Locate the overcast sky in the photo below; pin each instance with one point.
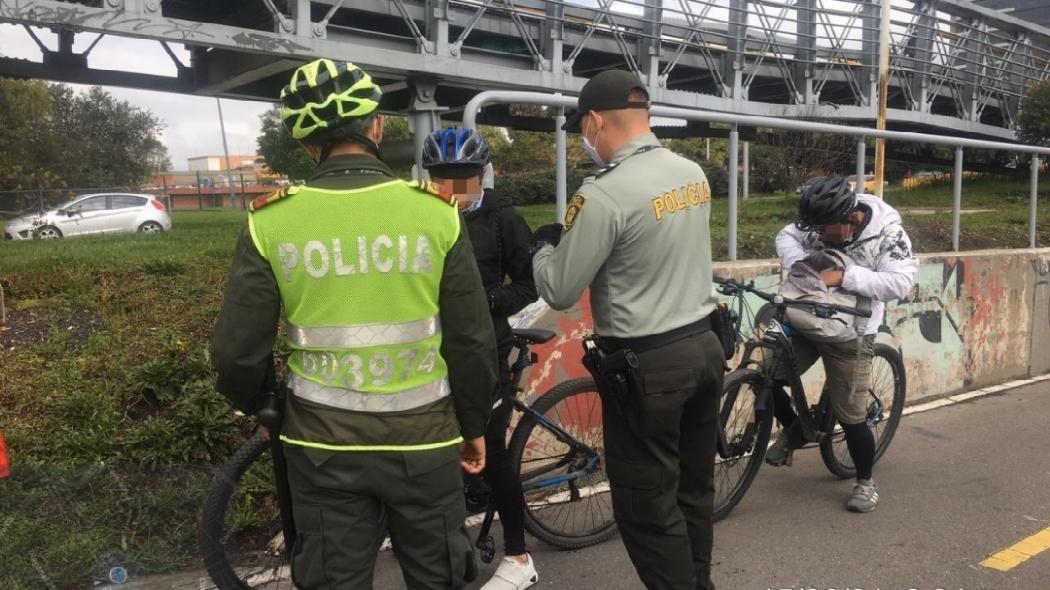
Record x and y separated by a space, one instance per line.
192 121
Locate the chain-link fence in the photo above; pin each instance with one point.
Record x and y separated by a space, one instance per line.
179 191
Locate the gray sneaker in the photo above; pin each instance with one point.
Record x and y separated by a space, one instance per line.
865 496
781 451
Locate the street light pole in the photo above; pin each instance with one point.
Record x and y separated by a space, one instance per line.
226 155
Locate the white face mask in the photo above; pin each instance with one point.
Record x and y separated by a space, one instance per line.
591 148
470 203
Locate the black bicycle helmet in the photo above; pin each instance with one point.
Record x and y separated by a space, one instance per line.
828 199
455 153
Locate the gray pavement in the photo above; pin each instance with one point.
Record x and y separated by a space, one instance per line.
958 484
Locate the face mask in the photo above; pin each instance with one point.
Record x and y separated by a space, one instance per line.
470 203
591 150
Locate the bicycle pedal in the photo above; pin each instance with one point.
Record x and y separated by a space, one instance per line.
487 549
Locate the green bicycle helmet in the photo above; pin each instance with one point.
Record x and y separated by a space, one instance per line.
323 97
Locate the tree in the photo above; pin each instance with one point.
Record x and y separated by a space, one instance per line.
282 153
102 141
1033 125
53 137
24 143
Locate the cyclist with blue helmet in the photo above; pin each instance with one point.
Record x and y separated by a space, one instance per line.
456 160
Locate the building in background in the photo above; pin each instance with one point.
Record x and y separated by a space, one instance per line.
219 163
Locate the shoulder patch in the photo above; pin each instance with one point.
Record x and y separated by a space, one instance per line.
267 200
432 189
576 203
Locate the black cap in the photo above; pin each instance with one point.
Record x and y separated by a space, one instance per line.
605 92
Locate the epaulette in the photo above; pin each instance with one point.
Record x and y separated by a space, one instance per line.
266 200
432 189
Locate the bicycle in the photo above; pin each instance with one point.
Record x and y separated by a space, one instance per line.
556 447
746 414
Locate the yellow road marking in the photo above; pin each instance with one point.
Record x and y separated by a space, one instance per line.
1019 552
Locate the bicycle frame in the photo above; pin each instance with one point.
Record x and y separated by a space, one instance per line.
577 450
816 422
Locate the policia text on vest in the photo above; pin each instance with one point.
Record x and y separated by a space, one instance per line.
391 366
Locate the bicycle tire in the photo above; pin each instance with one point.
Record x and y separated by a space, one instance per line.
547 403
213 536
750 439
833 448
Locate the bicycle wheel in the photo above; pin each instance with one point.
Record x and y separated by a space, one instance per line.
885 407
567 497
746 434
240 533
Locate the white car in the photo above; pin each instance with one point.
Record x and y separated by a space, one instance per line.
93 214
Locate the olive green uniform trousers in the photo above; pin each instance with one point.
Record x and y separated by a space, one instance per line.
341 499
660 459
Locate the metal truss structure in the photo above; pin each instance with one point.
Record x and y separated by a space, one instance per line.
957 67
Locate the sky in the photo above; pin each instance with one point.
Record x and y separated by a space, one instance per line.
192 122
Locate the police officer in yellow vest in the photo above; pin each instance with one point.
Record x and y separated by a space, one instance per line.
638 234
392 369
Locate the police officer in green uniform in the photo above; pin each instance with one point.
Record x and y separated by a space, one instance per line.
392 369
637 233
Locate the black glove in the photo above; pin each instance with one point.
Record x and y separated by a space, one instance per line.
547 234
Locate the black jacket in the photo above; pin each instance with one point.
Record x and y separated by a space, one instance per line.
501 238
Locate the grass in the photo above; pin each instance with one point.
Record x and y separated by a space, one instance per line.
113 430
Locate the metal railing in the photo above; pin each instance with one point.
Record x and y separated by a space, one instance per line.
862 133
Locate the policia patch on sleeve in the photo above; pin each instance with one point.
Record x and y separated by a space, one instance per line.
267 200
573 210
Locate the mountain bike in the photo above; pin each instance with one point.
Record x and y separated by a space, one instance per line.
556 447
746 413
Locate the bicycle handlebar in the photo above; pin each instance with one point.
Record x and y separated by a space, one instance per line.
821 310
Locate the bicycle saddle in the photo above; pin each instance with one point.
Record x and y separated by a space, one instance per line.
534 336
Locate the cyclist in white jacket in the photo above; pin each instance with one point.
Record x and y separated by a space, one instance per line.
869 231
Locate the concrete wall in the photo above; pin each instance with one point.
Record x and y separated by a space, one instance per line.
972 319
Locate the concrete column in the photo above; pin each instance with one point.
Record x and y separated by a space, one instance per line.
957 197
734 160
560 156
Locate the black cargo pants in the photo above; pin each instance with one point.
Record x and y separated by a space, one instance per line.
660 461
339 499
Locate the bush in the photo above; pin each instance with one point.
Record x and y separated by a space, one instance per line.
530 188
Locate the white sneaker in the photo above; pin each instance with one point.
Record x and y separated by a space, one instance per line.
510 575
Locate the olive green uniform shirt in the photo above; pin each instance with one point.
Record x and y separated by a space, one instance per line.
246 330
638 234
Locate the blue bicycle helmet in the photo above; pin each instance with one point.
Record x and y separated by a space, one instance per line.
455 153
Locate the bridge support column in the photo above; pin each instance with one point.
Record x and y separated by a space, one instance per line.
423 117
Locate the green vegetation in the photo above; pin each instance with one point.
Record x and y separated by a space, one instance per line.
109 413
56 137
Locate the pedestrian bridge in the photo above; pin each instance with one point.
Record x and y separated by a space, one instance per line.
956 67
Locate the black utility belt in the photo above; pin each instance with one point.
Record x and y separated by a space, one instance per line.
654 341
